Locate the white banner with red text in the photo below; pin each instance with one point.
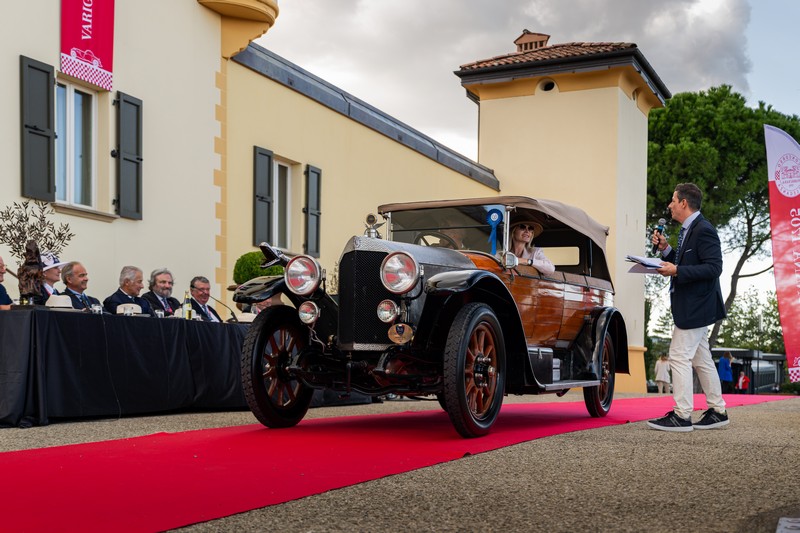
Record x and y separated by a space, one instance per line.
783 164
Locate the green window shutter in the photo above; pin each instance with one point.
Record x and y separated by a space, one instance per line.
37 81
262 196
312 210
129 156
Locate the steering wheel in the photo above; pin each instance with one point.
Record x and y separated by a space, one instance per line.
445 240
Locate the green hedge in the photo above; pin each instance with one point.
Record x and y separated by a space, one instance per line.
248 266
793 388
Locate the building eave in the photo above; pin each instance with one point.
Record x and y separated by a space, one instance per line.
286 73
602 61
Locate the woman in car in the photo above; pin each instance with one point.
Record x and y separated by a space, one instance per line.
522 235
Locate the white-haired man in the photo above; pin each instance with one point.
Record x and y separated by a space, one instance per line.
130 285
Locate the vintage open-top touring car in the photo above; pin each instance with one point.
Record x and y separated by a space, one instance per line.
440 306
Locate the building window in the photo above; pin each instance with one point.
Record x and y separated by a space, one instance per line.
272 185
281 192
75 144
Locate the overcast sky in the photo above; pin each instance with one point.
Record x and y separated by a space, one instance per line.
400 56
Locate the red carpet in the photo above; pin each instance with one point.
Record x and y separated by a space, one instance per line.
165 480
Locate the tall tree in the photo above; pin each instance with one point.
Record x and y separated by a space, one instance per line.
713 139
753 323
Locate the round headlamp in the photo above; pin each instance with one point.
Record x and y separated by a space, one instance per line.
399 272
388 311
303 275
308 312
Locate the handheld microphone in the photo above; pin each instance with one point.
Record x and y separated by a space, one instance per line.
659 229
233 315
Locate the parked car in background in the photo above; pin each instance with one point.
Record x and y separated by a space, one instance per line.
440 306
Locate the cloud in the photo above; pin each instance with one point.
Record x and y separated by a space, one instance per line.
400 56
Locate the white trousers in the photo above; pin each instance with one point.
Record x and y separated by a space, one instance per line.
689 349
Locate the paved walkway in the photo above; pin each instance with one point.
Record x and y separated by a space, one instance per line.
622 478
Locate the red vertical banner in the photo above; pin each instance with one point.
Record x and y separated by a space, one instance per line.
87 41
783 164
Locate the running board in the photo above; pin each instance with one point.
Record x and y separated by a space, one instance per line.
561 385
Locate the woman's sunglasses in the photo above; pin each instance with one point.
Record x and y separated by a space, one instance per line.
525 227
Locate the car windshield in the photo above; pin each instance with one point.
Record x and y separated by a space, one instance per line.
475 227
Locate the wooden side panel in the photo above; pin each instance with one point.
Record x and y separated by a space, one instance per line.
550 309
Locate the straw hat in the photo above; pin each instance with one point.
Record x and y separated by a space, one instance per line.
537 228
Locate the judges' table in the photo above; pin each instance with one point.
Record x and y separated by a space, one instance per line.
69 364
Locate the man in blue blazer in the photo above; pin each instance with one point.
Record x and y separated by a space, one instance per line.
76 279
130 285
200 288
696 301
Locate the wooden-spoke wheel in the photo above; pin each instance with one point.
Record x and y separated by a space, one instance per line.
276 399
598 399
474 370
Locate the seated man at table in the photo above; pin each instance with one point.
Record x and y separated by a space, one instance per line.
76 279
201 292
130 285
160 294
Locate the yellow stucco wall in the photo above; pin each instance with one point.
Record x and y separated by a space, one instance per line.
361 168
584 143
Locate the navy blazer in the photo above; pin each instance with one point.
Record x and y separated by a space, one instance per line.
112 302
155 303
77 303
696 296
199 311
46 295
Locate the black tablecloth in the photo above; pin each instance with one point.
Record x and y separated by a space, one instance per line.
69 364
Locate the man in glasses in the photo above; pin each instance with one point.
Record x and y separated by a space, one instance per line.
201 292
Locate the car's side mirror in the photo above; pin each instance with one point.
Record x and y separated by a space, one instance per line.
271 256
509 260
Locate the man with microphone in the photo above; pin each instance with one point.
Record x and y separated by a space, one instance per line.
696 302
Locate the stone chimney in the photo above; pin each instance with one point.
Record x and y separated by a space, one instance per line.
531 41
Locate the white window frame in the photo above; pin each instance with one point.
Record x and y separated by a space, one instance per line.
278 203
69 163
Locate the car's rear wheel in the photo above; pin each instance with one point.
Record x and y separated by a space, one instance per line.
474 370
275 398
598 399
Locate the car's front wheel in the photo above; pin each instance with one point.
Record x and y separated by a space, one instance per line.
598 399
474 370
276 399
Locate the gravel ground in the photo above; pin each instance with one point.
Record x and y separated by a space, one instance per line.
623 478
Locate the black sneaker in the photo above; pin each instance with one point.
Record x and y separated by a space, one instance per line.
671 422
712 419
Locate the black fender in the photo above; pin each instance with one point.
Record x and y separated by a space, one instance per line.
449 291
609 321
259 289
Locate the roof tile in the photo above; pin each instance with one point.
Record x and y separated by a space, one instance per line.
555 51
